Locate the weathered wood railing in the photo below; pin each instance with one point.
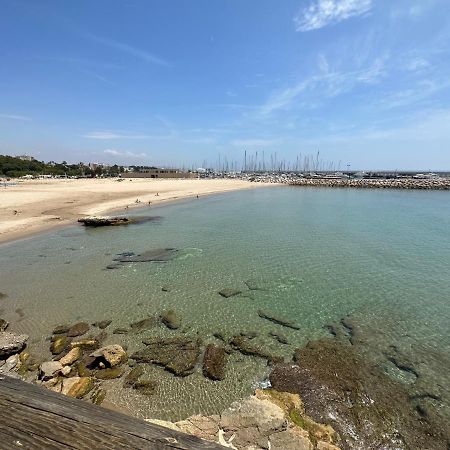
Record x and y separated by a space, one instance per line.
32 417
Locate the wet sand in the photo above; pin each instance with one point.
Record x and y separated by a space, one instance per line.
33 206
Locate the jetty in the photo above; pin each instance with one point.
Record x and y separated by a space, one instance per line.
32 417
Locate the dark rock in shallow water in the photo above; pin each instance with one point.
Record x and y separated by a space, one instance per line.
2 295
104 221
146 387
368 409
11 343
158 255
109 374
98 396
121 331
214 362
61 329
279 337
253 285
165 289
3 325
144 324
278 320
102 324
228 292
133 376
177 355
242 344
78 329
171 319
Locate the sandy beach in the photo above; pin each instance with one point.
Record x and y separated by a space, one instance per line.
33 206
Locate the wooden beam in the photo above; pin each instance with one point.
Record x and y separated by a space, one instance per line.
32 417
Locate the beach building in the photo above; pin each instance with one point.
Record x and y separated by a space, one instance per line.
158 173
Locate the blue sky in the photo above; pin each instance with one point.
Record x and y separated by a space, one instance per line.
367 82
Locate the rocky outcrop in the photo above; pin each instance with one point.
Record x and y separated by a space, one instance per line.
11 343
262 421
329 375
214 362
177 355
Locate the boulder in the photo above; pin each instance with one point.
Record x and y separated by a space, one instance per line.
177 355
111 355
214 362
278 320
78 329
50 369
77 387
171 319
3 325
229 292
11 343
71 357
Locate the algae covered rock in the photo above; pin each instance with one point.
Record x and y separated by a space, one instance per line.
77 387
109 374
214 362
243 345
146 387
133 376
59 343
177 355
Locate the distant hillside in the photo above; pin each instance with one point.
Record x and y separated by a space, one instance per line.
15 167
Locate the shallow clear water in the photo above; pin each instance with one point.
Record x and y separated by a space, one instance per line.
318 255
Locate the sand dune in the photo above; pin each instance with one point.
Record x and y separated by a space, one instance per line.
33 206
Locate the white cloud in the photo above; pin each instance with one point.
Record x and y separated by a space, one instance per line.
129 155
15 117
321 13
108 135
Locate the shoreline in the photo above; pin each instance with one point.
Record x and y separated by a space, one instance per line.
33 207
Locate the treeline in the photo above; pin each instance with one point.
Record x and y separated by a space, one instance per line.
14 167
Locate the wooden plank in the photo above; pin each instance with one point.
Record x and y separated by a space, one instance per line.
32 417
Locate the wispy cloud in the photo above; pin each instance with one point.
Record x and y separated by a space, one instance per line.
109 135
321 13
139 53
326 84
122 154
15 117
255 142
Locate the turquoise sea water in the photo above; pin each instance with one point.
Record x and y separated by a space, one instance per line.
317 254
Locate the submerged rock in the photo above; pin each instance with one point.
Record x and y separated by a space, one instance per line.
78 329
146 387
365 406
279 337
121 331
278 320
97 396
133 376
156 255
109 374
242 344
144 324
3 325
11 343
171 319
177 355
2 295
214 362
61 329
229 292
102 324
